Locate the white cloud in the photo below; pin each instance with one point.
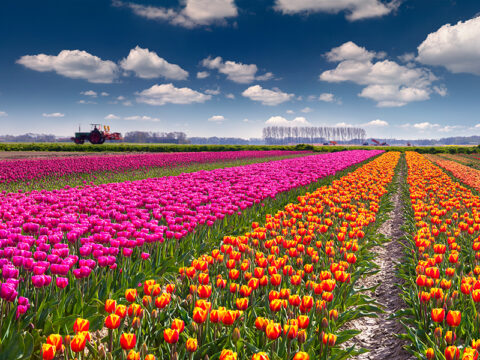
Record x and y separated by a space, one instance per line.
441 90
448 128
456 47
53 115
89 93
195 13
387 82
3 113
281 121
327 97
86 102
202 74
306 110
355 9
127 103
147 64
167 93
73 64
477 126
407 57
111 117
141 118
103 93
265 96
343 124
217 118
230 96
425 125
246 120
376 122
237 72
290 112
212 91
121 98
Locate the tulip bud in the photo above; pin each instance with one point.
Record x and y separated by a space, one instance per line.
430 354
450 337
206 357
175 356
236 335
302 336
438 332
324 323
67 341
136 323
189 298
154 314
144 348
333 314
109 356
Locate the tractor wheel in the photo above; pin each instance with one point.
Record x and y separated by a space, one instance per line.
79 141
102 140
95 137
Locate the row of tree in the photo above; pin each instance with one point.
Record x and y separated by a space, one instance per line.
281 135
155 137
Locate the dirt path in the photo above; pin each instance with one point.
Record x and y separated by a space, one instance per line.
378 334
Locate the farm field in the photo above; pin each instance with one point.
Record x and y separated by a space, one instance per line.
288 257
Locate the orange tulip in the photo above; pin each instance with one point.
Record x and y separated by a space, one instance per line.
228 355
131 295
121 311
81 325
150 357
430 354
204 291
452 353
133 355
301 356
110 305
170 336
303 321
191 345
454 318
438 315
329 339
178 324
273 331
260 356
78 342
128 341
112 321
242 303
55 340
199 315
48 351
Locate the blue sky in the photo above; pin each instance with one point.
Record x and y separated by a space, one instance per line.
405 69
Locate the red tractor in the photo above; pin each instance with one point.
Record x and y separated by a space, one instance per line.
96 136
377 143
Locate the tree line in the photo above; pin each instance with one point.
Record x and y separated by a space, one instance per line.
276 135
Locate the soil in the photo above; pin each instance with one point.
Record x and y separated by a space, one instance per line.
378 334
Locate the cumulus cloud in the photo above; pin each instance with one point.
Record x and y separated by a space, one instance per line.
74 64
230 96
89 93
53 115
266 96
343 124
217 118
237 72
386 82
141 118
147 64
3 113
195 13
212 91
306 110
290 112
111 117
455 47
354 9
202 74
449 128
83 102
281 121
376 122
327 97
425 125
167 93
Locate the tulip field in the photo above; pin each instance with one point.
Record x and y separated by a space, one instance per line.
265 259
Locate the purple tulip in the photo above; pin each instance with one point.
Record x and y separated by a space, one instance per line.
61 282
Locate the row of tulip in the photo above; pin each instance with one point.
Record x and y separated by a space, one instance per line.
59 248
281 291
35 168
466 174
442 290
